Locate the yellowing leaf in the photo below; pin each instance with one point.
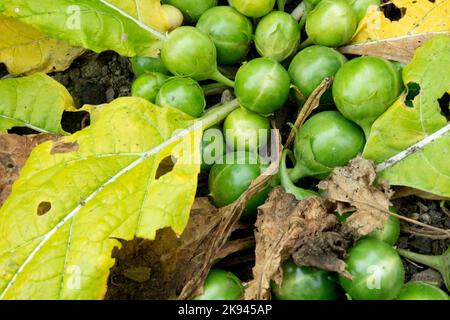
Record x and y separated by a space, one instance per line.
96 25
25 50
36 102
149 12
397 40
421 16
76 196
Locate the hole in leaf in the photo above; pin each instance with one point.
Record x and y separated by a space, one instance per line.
165 166
43 208
392 12
75 121
432 1
413 91
22 131
444 104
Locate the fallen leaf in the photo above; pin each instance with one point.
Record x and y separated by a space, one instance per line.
352 188
14 151
284 226
397 40
26 50
400 48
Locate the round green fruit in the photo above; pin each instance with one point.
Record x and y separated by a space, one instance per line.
221 285
142 65
262 86
148 85
231 32
246 130
253 8
311 66
192 9
361 6
277 36
213 146
326 140
377 271
184 94
418 290
305 283
331 23
364 88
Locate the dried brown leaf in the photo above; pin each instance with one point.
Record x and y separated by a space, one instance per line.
283 227
14 151
352 188
398 49
310 105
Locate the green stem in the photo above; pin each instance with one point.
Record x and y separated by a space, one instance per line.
287 184
434 262
298 172
281 4
302 21
217 113
217 76
305 43
214 88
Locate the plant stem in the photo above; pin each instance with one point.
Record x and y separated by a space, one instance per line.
214 88
287 184
217 113
217 76
305 43
299 11
281 4
302 22
434 262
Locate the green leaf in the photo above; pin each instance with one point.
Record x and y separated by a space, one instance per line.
414 118
76 196
36 102
98 25
427 170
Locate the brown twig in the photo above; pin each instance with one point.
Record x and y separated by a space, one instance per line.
310 105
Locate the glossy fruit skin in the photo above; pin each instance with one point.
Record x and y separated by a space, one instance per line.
188 52
184 94
221 285
311 66
305 283
192 9
331 23
231 32
364 88
377 271
262 86
228 181
361 6
251 209
243 129
390 232
327 140
418 290
148 85
142 65
253 8
213 146
277 36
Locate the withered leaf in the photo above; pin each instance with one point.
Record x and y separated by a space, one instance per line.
64 147
14 151
352 188
400 48
283 227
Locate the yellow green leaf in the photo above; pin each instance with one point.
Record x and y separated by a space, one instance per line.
413 118
36 102
397 40
25 50
77 196
126 26
421 16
